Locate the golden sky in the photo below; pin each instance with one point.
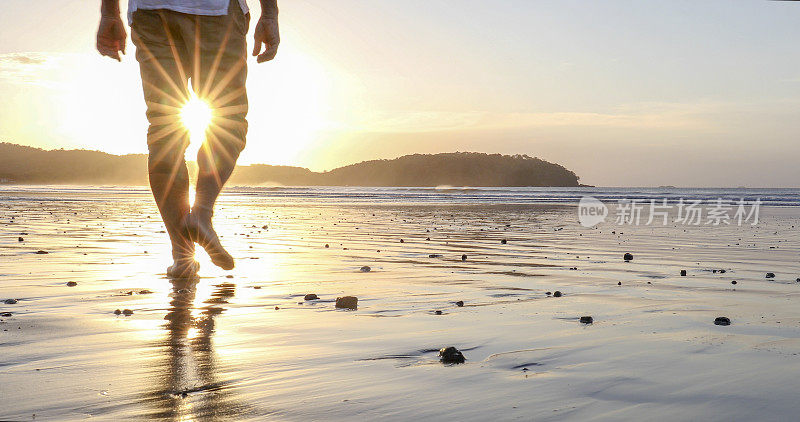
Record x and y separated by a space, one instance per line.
625 93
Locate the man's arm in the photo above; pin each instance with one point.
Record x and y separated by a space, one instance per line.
267 32
111 35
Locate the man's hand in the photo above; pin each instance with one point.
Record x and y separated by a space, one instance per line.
111 36
266 33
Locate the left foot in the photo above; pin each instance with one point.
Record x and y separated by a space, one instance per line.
183 268
202 232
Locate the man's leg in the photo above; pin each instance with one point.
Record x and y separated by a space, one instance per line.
219 75
164 82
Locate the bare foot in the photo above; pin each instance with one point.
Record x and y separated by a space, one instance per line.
183 268
202 232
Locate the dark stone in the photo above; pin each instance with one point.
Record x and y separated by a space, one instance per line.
365 269
347 302
5 314
722 271
434 255
628 256
683 273
548 293
42 252
722 321
127 312
228 276
276 308
619 283
10 301
503 241
451 355
770 275
117 312
264 227
20 239
428 238
460 303
464 257
733 282
257 287
587 320
72 284
327 245
556 294
437 312
402 241
310 296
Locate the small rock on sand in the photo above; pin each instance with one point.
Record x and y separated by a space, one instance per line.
556 294
42 252
628 256
733 282
327 245
5 314
402 241
20 239
437 312
504 241
722 321
10 301
117 312
347 302
683 273
228 276
310 296
460 303
365 269
587 320
451 355
127 312
434 255
277 308
71 284
770 275
619 283
464 257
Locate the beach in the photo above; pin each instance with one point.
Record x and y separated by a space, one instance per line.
246 345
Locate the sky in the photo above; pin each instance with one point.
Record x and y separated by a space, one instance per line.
623 92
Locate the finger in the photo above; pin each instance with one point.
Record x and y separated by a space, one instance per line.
123 43
257 47
268 54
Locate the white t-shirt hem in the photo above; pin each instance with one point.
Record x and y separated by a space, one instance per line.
187 10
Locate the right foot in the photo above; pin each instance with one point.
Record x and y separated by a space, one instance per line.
202 232
183 268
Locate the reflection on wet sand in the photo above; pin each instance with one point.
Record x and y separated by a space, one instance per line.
187 383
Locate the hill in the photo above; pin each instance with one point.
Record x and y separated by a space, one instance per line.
28 165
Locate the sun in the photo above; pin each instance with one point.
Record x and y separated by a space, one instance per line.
196 116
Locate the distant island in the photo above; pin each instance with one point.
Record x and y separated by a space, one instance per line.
27 165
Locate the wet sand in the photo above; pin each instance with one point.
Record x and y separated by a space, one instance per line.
245 345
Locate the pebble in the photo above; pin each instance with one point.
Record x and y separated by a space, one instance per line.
20 239
733 282
722 321
402 241
117 312
770 275
628 256
437 312
365 269
556 294
310 296
327 245
460 303
228 276
5 314
587 320
451 355
42 252
72 283
619 283
503 241
10 301
127 312
276 308
434 255
464 257
347 302
683 273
